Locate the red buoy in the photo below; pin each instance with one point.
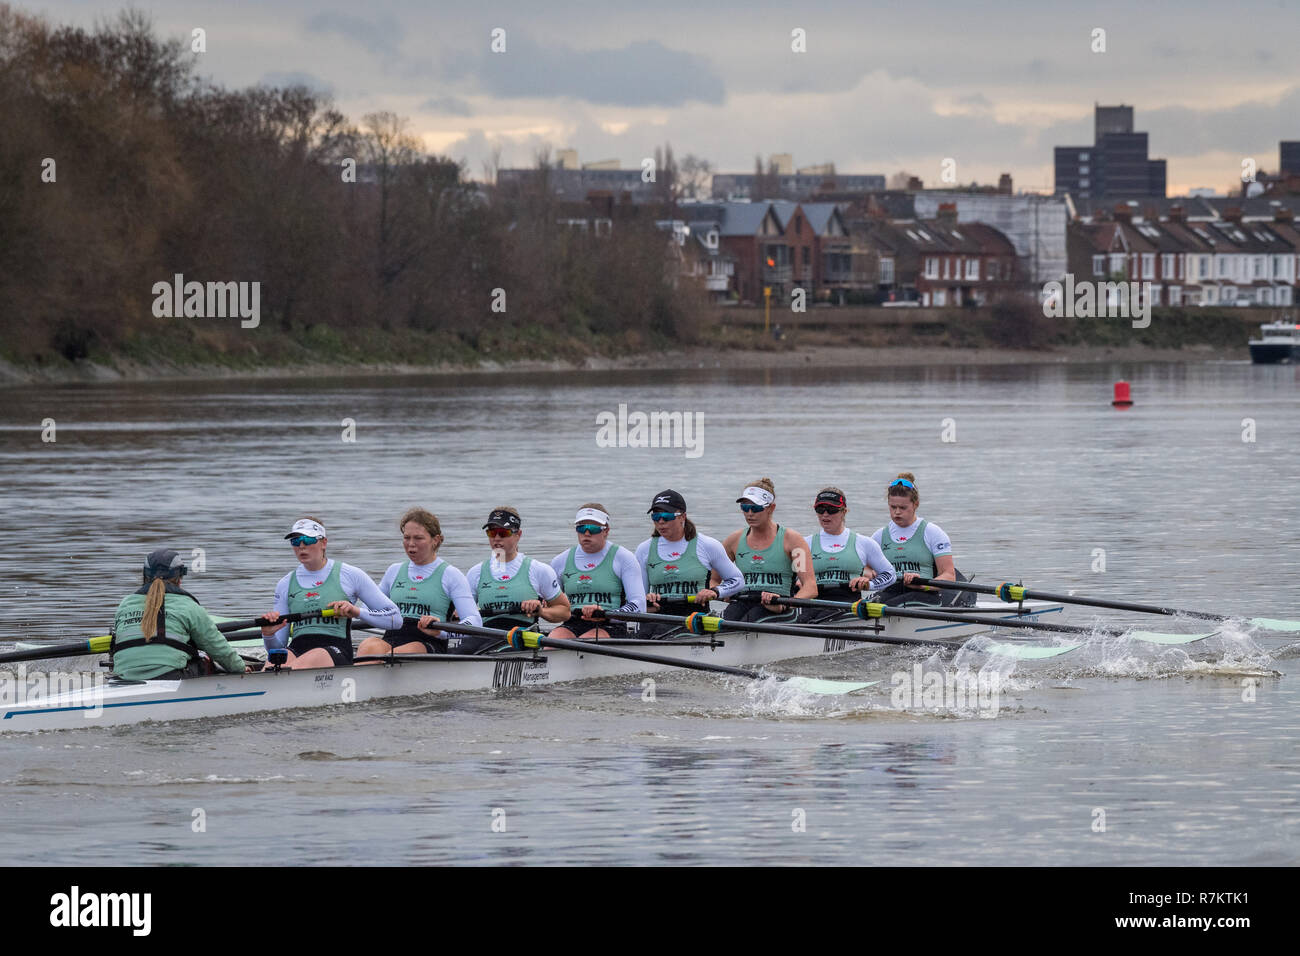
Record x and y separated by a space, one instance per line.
1121 399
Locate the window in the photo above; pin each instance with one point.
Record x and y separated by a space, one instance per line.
1099 265
886 271
993 271
1204 271
940 297
1167 267
932 268
1083 157
973 270
946 263
1083 183
1148 265
1261 267
1223 266
1083 170
1279 266
798 226
1117 262
1175 295
807 255
1284 295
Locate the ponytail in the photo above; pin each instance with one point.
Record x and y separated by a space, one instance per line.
153 603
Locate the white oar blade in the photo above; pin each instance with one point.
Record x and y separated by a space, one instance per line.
1029 652
814 685
1273 624
1154 637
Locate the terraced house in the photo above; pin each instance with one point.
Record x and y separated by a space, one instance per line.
1214 260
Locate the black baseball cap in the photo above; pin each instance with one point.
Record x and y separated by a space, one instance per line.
829 497
500 518
668 500
164 563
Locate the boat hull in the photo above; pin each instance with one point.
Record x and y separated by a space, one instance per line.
1274 353
100 702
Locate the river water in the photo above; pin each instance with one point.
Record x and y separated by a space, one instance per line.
1120 752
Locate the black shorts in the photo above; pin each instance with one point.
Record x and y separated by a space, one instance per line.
751 609
580 627
410 634
340 648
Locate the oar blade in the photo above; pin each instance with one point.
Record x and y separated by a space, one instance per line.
1155 637
1273 624
829 688
1029 652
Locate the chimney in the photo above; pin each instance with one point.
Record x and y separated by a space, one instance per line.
914 184
947 214
1004 184
1177 213
1283 214
1123 213
1233 214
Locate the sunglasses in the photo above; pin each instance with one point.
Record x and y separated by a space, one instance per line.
901 481
665 515
827 510
751 509
589 528
301 540
499 532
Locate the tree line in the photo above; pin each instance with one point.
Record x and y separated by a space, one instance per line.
120 166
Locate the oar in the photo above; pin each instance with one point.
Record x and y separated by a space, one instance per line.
100 643
700 623
868 610
520 639
1015 592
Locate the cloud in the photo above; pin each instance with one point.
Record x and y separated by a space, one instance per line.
447 105
641 73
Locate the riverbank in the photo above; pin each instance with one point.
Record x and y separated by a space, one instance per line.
727 338
794 356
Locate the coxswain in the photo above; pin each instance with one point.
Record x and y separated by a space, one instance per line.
160 628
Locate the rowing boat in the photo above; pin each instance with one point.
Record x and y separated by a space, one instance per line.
99 702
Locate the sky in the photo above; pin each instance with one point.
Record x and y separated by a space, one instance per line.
877 88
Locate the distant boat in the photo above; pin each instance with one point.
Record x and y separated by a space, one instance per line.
1279 344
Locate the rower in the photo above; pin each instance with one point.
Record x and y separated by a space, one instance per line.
916 548
597 576
845 562
773 559
512 590
680 563
424 586
159 629
316 584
